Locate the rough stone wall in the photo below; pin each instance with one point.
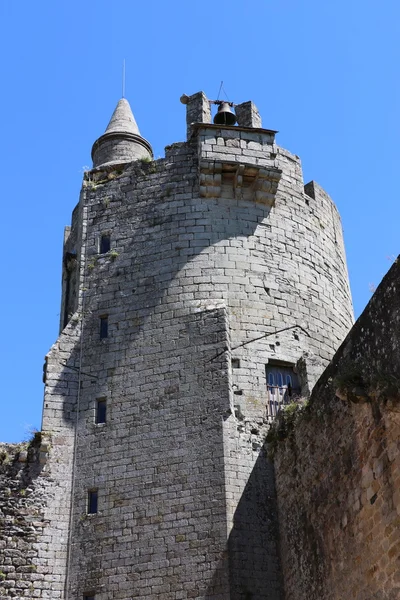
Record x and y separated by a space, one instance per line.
288 272
213 251
157 463
337 467
61 408
247 115
283 260
70 279
25 493
60 415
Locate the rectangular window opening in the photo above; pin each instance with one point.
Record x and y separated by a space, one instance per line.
235 363
101 410
105 243
103 327
92 502
283 386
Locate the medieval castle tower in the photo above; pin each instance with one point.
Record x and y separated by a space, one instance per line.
199 292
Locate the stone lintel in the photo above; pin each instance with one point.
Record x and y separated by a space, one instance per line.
197 126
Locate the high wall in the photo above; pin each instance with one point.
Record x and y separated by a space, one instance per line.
218 254
337 465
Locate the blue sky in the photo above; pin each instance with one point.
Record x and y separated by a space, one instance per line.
325 74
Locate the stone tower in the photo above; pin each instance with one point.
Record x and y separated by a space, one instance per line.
200 291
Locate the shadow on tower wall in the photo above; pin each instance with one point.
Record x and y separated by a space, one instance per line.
152 250
153 245
253 544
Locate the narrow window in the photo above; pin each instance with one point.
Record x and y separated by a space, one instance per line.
103 327
92 502
105 243
101 410
235 363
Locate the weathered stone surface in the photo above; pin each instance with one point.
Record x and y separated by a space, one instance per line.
338 467
217 254
25 494
248 115
198 110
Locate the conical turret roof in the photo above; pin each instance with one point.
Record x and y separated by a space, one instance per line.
121 142
122 119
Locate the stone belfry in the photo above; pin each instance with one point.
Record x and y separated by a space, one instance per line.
201 292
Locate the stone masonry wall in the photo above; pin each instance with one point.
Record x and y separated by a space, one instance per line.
290 271
25 492
160 531
337 465
217 252
122 150
36 486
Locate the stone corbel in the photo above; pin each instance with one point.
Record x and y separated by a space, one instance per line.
240 181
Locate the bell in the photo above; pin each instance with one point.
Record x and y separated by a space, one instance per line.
224 115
